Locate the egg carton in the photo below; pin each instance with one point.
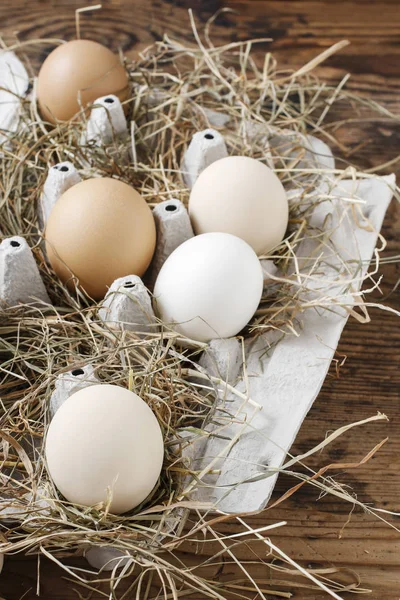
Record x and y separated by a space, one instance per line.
282 384
284 375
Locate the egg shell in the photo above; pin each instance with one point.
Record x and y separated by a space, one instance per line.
99 230
209 287
241 196
105 436
75 74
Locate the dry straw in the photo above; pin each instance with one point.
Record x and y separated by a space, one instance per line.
177 90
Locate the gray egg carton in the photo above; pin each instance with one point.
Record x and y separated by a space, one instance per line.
283 375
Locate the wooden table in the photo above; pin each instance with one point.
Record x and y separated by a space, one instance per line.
369 379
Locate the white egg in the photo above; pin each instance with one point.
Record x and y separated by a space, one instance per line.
241 196
105 438
209 287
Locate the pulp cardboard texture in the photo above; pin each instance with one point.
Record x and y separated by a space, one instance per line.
60 178
284 373
106 559
69 383
14 83
128 305
173 228
107 120
223 359
206 147
20 281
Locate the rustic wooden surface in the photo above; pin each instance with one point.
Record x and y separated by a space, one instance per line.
369 380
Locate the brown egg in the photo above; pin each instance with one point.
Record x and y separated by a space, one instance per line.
75 74
99 230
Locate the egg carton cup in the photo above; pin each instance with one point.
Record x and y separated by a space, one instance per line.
70 382
60 178
206 147
104 558
106 122
223 359
32 507
14 84
127 305
20 280
173 227
108 558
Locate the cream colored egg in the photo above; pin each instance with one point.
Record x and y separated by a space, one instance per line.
75 74
99 230
103 439
241 196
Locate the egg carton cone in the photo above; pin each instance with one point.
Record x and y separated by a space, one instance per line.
106 122
128 305
173 227
206 147
316 151
282 384
32 507
291 145
70 382
158 96
270 271
60 178
223 359
20 281
14 83
105 558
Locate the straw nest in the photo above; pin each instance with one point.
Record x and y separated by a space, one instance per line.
177 90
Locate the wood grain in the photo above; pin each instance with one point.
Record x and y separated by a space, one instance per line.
369 380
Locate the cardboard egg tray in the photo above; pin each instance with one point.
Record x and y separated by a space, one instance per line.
270 392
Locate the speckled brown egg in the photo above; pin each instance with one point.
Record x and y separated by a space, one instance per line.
75 74
99 230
